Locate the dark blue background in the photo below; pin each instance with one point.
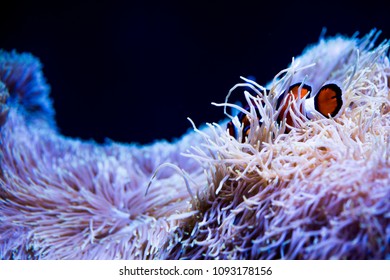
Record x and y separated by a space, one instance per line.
133 71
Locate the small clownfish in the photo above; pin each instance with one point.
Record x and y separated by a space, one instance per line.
328 101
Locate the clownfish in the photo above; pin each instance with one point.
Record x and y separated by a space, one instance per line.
328 101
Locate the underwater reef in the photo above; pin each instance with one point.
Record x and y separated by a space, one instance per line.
310 188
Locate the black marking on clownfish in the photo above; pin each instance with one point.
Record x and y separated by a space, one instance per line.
297 90
245 123
328 101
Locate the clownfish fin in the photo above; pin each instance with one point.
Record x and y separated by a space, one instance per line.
245 121
231 129
246 131
329 100
297 90
301 88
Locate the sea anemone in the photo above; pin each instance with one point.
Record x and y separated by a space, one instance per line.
316 189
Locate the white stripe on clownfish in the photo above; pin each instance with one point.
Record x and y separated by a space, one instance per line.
327 102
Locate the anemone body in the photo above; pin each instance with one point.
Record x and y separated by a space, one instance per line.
320 191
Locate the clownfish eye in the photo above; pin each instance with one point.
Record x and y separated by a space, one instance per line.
328 101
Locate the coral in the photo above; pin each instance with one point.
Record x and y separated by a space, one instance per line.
319 189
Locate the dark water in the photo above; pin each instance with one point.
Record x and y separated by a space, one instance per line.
133 72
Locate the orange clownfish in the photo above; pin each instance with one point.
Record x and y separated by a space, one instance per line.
327 101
